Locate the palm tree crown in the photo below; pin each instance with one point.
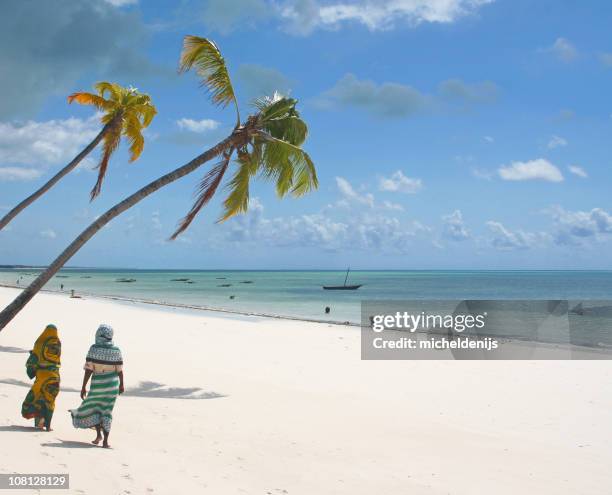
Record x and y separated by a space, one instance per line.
267 145
126 112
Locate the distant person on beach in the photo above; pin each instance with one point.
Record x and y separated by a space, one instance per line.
105 363
61 286
43 364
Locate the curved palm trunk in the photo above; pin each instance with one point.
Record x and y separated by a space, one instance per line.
22 299
51 182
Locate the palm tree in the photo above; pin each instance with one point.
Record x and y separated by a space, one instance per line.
267 144
125 112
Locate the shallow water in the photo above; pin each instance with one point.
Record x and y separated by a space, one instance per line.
300 294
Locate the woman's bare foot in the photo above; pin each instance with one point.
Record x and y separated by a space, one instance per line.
106 445
97 440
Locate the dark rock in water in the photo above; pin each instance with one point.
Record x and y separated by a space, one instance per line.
85 276
221 278
62 276
224 285
246 282
126 280
232 297
179 280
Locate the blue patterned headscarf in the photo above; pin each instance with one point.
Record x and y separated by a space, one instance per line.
104 351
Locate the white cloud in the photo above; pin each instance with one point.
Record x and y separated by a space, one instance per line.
155 221
48 234
574 226
579 171
480 173
307 15
454 228
19 173
563 50
359 231
349 193
199 126
489 139
388 205
539 169
556 142
121 3
398 182
505 239
45 143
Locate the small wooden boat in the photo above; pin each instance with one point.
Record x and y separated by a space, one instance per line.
343 287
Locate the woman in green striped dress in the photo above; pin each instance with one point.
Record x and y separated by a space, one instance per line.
104 365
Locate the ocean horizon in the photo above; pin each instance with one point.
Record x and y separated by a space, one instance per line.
299 293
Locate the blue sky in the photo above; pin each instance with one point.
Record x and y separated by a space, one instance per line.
447 134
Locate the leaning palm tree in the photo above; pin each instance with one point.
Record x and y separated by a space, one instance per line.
125 112
267 144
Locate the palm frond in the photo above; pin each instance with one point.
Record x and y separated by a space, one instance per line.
132 129
203 55
237 200
84 98
110 145
291 129
145 112
114 90
290 165
279 108
206 190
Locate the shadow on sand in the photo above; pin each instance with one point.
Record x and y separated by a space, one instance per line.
70 444
16 350
28 429
152 390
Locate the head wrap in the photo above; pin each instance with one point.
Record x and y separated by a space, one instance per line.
104 335
46 353
104 351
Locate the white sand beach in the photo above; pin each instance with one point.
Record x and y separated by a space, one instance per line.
230 405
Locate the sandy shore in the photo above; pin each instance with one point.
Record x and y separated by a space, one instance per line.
253 405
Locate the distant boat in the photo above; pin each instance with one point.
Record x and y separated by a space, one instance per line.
179 280
246 282
343 287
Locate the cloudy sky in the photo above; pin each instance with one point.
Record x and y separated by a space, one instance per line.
448 134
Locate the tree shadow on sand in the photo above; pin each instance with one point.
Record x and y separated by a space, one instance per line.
161 391
152 390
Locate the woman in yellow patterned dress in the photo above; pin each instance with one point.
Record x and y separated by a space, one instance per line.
43 365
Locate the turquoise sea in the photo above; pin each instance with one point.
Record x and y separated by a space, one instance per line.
300 294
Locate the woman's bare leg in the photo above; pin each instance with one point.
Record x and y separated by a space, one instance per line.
98 435
105 443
